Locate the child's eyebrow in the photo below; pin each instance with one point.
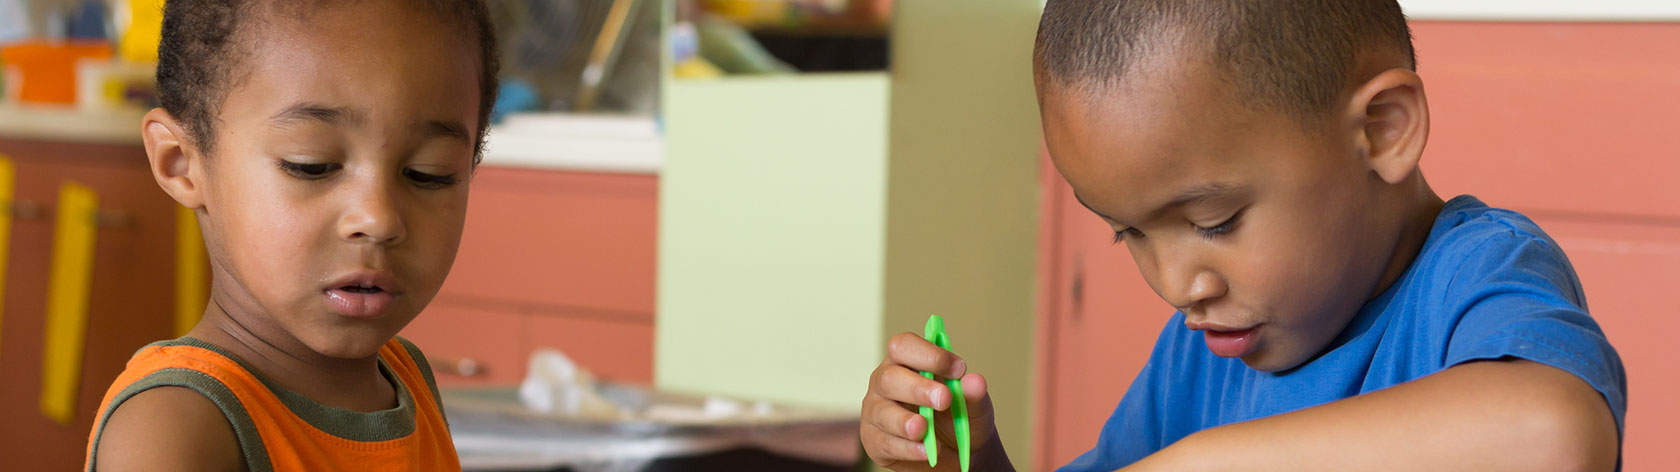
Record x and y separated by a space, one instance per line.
1189 196
1197 194
447 129
331 115
1088 207
315 112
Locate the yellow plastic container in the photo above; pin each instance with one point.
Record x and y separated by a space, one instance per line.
750 12
143 29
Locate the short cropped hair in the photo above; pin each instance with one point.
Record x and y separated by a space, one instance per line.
1291 56
202 45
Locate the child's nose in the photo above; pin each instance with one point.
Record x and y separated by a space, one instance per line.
1204 286
1186 284
374 216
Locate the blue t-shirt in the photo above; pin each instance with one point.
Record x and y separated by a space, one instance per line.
1488 284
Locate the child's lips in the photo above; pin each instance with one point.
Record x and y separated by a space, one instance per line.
359 304
1232 343
382 280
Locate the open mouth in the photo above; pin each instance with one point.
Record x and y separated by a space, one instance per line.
360 299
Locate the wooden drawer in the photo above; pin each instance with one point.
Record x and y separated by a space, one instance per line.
563 260
563 240
495 340
1554 117
131 295
1098 322
500 341
614 349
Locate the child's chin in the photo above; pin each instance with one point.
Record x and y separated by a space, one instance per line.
1269 360
349 346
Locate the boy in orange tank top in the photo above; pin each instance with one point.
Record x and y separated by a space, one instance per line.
327 149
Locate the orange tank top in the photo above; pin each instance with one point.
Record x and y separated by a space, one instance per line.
281 430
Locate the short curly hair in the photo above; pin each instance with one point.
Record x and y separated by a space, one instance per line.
1292 56
201 46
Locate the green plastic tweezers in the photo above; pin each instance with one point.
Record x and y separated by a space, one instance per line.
935 333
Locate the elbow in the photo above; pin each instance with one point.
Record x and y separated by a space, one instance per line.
1568 433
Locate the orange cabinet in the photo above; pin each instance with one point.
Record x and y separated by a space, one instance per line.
550 259
1097 324
614 348
559 239
1568 123
562 260
492 340
1572 124
132 301
1629 272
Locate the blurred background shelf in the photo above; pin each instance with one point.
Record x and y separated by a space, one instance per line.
592 143
65 123
553 141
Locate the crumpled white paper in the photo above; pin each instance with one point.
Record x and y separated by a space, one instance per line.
556 385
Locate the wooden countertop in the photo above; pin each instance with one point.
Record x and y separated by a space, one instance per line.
65 123
551 142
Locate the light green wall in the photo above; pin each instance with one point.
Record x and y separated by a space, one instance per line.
770 248
806 219
963 212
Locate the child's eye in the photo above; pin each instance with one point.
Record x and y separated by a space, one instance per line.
426 180
308 171
1126 233
1220 229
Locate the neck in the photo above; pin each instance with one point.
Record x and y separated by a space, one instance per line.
353 384
1421 207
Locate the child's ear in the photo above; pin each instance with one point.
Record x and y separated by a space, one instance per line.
176 164
1393 119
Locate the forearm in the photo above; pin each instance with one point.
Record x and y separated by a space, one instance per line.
1484 416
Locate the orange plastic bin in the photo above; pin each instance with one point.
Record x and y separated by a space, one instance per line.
45 72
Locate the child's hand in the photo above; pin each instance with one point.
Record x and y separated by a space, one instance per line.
892 428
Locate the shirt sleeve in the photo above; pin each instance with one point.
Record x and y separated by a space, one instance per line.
1520 299
1140 424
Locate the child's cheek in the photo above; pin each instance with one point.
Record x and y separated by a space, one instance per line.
436 237
282 244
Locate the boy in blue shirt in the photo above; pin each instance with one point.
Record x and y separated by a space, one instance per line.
1259 159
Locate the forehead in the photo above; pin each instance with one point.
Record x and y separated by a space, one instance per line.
379 57
1169 126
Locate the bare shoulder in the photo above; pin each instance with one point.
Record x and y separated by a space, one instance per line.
168 428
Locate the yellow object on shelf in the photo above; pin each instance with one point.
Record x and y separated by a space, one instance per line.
103 86
8 175
750 12
140 37
695 68
190 265
69 289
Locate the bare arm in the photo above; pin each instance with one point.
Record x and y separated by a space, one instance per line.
168 428
1481 416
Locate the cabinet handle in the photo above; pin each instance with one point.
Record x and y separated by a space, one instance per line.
1076 290
461 366
106 218
27 210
